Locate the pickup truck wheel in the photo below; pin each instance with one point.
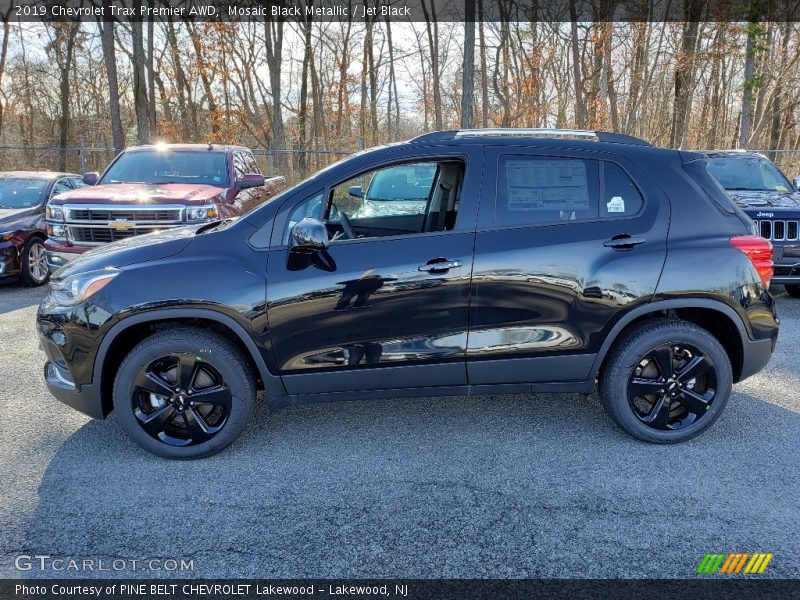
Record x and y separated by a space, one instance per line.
666 381
184 393
793 290
33 263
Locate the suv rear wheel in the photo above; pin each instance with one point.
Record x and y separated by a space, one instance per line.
184 393
666 381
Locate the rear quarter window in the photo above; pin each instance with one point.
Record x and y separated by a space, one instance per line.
621 197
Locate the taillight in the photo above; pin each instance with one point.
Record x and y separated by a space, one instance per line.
759 251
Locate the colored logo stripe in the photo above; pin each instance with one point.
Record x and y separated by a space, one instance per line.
734 562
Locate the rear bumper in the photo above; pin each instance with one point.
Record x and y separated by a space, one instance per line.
9 260
756 355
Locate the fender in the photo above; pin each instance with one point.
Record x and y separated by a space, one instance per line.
272 383
717 305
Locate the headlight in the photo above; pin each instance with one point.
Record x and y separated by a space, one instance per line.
201 213
57 232
6 235
56 213
80 287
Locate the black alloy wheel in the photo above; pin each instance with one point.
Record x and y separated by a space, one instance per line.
181 400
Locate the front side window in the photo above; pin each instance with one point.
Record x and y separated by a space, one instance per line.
160 167
17 192
406 199
545 190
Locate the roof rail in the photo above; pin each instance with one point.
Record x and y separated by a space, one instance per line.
600 136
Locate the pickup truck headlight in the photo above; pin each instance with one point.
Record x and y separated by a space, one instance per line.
201 213
56 213
80 287
57 232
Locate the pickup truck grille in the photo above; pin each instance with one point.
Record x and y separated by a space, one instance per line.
779 230
101 224
103 235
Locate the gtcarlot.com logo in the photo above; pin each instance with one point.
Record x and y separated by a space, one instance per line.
734 563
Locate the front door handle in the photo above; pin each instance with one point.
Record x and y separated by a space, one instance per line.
439 265
623 242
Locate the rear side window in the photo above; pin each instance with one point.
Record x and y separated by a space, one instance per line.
621 197
545 190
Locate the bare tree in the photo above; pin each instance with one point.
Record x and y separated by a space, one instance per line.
468 72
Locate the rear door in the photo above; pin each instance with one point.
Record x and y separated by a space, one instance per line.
566 242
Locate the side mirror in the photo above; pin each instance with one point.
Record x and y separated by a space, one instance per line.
91 177
309 235
356 191
250 180
796 182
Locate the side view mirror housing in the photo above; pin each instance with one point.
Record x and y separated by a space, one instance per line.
309 235
250 180
796 182
356 191
91 177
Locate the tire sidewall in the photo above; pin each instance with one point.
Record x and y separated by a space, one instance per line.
221 356
616 382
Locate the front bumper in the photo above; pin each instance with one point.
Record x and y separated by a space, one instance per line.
9 260
86 399
59 254
787 263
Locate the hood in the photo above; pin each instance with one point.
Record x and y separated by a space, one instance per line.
141 193
136 249
20 218
766 199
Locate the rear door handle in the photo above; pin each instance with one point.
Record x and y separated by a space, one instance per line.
623 242
439 265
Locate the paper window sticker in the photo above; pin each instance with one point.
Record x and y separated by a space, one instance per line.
216 178
616 205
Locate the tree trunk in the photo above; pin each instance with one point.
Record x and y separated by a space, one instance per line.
4 56
468 77
273 32
151 84
484 71
747 92
432 28
302 115
684 74
577 78
139 86
70 30
110 59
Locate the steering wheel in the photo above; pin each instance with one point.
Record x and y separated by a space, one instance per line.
342 219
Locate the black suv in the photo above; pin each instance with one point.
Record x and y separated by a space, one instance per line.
767 196
480 262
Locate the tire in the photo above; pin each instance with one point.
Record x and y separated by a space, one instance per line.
672 412
793 290
33 263
184 393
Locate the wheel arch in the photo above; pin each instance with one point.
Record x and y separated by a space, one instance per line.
128 332
716 317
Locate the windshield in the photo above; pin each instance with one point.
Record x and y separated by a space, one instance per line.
748 174
406 182
21 193
165 166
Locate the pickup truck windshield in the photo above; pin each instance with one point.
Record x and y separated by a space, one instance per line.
165 166
748 174
16 192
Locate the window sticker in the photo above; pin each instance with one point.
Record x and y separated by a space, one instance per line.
216 178
547 185
616 205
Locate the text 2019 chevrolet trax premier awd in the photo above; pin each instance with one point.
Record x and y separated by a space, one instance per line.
489 261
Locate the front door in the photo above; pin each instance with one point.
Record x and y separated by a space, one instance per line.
387 305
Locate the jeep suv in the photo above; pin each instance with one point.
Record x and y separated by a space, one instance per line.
150 188
541 261
765 194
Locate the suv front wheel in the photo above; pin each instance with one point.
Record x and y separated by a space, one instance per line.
666 381
184 393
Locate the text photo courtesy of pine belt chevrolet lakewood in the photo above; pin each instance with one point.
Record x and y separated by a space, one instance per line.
460 262
147 189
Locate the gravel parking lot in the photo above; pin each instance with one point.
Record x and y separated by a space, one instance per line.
539 486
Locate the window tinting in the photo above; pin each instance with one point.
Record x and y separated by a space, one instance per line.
621 198
544 190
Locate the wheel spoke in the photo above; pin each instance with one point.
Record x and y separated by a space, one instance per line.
693 401
217 394
157 421
697 366
663 357
659 414
149 382
640 386
187 367
199 430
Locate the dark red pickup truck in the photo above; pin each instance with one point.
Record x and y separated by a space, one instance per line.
150 188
